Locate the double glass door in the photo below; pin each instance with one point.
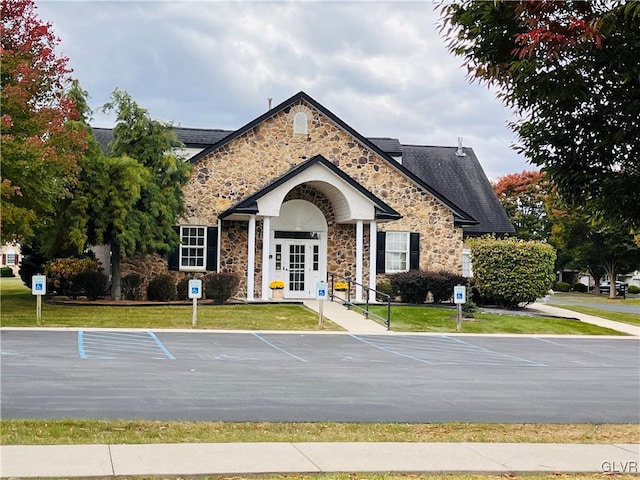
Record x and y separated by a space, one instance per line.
301 267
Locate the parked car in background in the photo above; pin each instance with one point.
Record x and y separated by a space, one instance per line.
621 288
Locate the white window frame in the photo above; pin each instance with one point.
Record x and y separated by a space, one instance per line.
393 265
10 259
300 123
195 249
467 266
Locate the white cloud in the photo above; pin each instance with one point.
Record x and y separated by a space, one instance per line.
380 66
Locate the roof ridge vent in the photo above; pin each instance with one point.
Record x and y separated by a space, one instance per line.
459 151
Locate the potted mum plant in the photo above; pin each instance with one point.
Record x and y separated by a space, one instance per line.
276 287
340 290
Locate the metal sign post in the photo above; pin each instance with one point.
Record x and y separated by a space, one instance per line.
39 288
459 298
322 293
195 292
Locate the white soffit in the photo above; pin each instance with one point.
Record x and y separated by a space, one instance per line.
349 204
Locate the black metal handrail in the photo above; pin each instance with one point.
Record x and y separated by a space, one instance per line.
331 280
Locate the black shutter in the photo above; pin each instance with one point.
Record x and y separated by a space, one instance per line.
380 251
174 257
414 251
212 249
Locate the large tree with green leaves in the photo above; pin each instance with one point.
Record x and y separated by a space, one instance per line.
594 246
129 198
142 222
40 143
570 70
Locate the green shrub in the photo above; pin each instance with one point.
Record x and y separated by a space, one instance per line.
412 286
580 288
220 287
161 289
441 284
131 286
32 263
634 289
61 274
183 288
385 288
561 287
512 272
93 284
469 308
6 272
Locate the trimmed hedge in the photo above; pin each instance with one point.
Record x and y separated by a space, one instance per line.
414 285
131 286
220 287
511 272
561 287
634 289
6 272
161 289
580 288
93 284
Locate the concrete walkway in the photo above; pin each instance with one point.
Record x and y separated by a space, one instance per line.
270 458
352 321
583 317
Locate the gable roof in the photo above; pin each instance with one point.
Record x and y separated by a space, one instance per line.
461 217
462 179
458 182
249 205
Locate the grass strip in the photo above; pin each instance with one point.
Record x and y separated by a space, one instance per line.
72 431
631 318
406 318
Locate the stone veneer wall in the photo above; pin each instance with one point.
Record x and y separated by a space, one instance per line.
251 161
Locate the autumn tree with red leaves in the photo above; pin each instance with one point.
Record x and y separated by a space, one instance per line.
40 141
524 198
570 71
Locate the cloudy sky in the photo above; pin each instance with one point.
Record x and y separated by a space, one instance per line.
379 66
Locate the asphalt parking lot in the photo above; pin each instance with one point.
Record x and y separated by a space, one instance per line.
318 377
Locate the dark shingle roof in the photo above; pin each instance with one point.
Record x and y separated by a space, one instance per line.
191 137
463 181
459 182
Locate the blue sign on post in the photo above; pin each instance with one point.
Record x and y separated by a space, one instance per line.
322 292
195 288
39 285
459 294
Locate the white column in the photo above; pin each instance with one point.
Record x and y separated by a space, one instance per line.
373 248
251 257
219 244
266 248
359 252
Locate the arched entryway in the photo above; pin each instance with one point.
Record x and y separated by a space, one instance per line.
298 250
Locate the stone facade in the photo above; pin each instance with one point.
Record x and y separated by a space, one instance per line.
251 161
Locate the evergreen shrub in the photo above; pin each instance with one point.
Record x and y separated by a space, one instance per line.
220 287
561 287
183 288
161 289
6 272
580 287
413 286
94 284
131 286
634 289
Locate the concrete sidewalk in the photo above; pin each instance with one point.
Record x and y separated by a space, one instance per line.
266 458
627 328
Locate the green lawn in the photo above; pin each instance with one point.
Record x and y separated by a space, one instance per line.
436 319
19 306
71 431
19 309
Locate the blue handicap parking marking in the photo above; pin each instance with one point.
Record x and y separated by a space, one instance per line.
116 345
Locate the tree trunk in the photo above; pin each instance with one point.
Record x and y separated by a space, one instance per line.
116 290
611 271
